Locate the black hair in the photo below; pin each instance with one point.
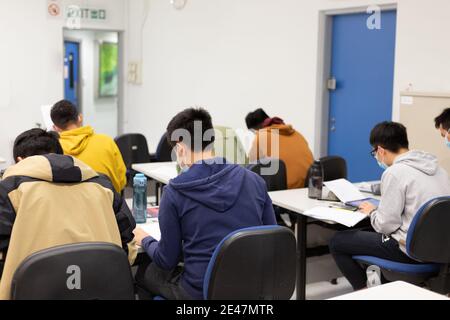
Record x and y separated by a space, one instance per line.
389 135
255 119
36 142
64 113
443 120
193 122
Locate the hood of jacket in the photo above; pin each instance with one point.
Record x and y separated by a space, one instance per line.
420 160
216 185
75 141
52 168
283 129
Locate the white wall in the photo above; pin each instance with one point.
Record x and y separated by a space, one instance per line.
98 112
232 56
31 61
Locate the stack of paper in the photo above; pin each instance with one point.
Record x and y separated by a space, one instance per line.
344 190
345 217
152 228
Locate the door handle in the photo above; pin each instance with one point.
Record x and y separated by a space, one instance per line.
331 84
333 124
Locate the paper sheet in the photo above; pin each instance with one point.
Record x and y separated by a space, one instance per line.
344 190
152 228
344 217
48 123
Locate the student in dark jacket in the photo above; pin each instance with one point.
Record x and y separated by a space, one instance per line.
209 200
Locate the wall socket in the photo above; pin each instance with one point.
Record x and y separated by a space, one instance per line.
134 72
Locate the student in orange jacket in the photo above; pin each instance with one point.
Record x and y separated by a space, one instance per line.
276 139
98 151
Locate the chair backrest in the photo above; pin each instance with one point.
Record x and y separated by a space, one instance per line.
83 271
164 150
257 263
134 148
428 237
334 167
276 181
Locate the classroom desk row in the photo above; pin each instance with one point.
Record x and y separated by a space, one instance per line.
295 201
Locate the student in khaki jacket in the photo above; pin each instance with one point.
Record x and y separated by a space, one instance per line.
48 199
98 151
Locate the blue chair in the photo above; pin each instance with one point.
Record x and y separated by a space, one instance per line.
257 263
428 240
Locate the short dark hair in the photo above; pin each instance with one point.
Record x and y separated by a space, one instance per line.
443 120
64 113
36 142
255 119
186 120
389 135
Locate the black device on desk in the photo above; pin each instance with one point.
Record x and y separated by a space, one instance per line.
376 189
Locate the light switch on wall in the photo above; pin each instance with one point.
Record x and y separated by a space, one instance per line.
135 72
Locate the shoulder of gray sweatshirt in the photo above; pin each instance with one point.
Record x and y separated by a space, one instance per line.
414 178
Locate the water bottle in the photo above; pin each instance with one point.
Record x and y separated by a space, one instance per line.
140 198
315 182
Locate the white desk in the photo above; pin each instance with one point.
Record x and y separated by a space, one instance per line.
162 172
151 226
297 201
2 160
398 290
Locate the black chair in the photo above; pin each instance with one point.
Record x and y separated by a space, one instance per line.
334 167
163 151
134 149
103 270
257 263
276 181
428 240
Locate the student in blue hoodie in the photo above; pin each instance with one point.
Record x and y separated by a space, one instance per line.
208 200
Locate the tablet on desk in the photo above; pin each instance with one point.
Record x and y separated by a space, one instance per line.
357 203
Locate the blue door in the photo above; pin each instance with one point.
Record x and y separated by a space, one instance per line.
363 66
71 71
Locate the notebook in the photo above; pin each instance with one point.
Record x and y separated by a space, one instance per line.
348 193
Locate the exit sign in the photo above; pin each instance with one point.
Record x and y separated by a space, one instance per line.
74 12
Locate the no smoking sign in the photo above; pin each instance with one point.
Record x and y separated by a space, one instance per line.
53 8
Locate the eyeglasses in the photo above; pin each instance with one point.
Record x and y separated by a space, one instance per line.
374 152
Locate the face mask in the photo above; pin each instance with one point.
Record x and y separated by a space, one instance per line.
447 143
381 164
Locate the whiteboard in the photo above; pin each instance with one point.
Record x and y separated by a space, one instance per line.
417 113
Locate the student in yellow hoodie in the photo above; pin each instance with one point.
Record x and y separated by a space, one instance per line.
98 151
287 144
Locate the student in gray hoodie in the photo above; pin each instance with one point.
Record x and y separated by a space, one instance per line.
411 178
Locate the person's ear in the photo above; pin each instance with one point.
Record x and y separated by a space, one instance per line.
80 119
381 151
19 159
